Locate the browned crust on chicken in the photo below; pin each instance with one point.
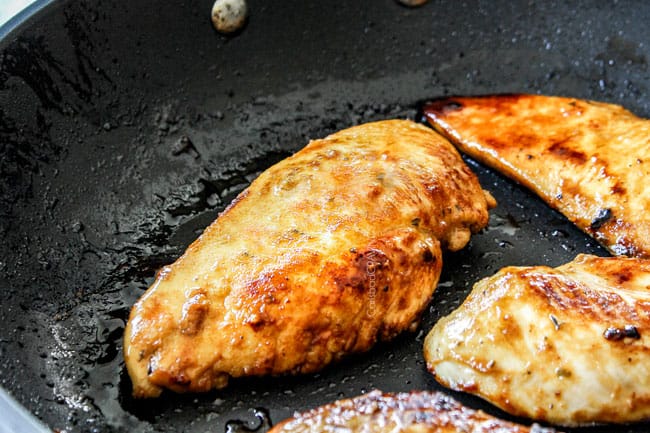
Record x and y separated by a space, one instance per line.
589 160
326 252
567 345
417 412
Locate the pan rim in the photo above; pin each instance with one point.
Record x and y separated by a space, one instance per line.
21 17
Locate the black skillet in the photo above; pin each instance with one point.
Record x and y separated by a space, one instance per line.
126 126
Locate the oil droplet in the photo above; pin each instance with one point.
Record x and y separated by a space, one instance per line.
507 225
559 234
239 426
504 244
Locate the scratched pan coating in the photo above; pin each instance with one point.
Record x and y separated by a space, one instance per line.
125 127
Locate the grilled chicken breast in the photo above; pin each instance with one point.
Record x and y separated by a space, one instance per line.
416 412
329 250
567 345
589 160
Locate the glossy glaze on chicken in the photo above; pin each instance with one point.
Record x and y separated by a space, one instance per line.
589 160
325 253
567 345
415 412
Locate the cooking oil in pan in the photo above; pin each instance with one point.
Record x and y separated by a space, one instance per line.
239 426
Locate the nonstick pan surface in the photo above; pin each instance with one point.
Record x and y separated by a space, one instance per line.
125 127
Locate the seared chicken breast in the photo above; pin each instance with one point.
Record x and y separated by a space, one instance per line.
589 160
567 345
327 251
415 412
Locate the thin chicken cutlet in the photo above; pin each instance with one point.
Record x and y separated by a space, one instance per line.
415 412
325 253
589 160
568 345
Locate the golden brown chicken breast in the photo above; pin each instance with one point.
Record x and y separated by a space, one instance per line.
567 345
589 160
326 252
415 412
